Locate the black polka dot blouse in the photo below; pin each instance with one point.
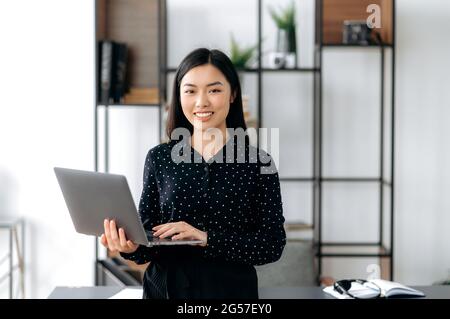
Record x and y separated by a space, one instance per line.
234 197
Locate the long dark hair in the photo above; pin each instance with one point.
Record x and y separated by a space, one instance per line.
201 56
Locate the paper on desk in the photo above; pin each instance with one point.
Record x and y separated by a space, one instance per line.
128 293
356 291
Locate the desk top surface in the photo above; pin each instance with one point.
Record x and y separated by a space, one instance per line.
104 292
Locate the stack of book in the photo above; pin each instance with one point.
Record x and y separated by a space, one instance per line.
111 72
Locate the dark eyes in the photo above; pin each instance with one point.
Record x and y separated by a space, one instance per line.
213 91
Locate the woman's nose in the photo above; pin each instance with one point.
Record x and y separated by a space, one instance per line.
202 100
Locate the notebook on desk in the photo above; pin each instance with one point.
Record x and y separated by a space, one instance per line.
92 197
369 289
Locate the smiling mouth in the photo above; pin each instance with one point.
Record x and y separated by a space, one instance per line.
203 115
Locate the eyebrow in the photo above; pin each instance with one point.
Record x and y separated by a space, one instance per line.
210 84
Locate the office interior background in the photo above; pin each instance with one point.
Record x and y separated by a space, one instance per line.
47 80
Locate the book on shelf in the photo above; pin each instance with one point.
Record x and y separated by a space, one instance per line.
120 70
106 70
113 61
369 289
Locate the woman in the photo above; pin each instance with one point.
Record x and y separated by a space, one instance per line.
214 194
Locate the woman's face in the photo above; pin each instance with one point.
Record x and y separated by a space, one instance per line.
205 96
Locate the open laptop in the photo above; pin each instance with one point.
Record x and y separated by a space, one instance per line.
92 197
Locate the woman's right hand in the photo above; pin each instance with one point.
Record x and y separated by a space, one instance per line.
115 240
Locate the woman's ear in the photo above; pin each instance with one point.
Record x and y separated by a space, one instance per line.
232 97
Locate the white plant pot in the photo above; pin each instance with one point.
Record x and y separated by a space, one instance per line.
282 60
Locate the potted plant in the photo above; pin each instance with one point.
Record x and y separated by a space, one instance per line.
286 52
241 56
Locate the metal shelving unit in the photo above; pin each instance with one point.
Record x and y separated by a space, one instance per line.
162 44
317 179
14 257
355 249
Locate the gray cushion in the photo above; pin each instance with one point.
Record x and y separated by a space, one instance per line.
295 267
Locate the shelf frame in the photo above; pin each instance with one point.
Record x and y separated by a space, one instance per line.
162 59
381 180
317 179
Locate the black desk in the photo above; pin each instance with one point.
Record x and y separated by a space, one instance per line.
104 292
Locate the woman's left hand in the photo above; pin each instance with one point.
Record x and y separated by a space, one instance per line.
182 230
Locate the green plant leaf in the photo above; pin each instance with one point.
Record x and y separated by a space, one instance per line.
285 18
240 56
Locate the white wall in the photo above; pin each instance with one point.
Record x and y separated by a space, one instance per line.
46 120
423 157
